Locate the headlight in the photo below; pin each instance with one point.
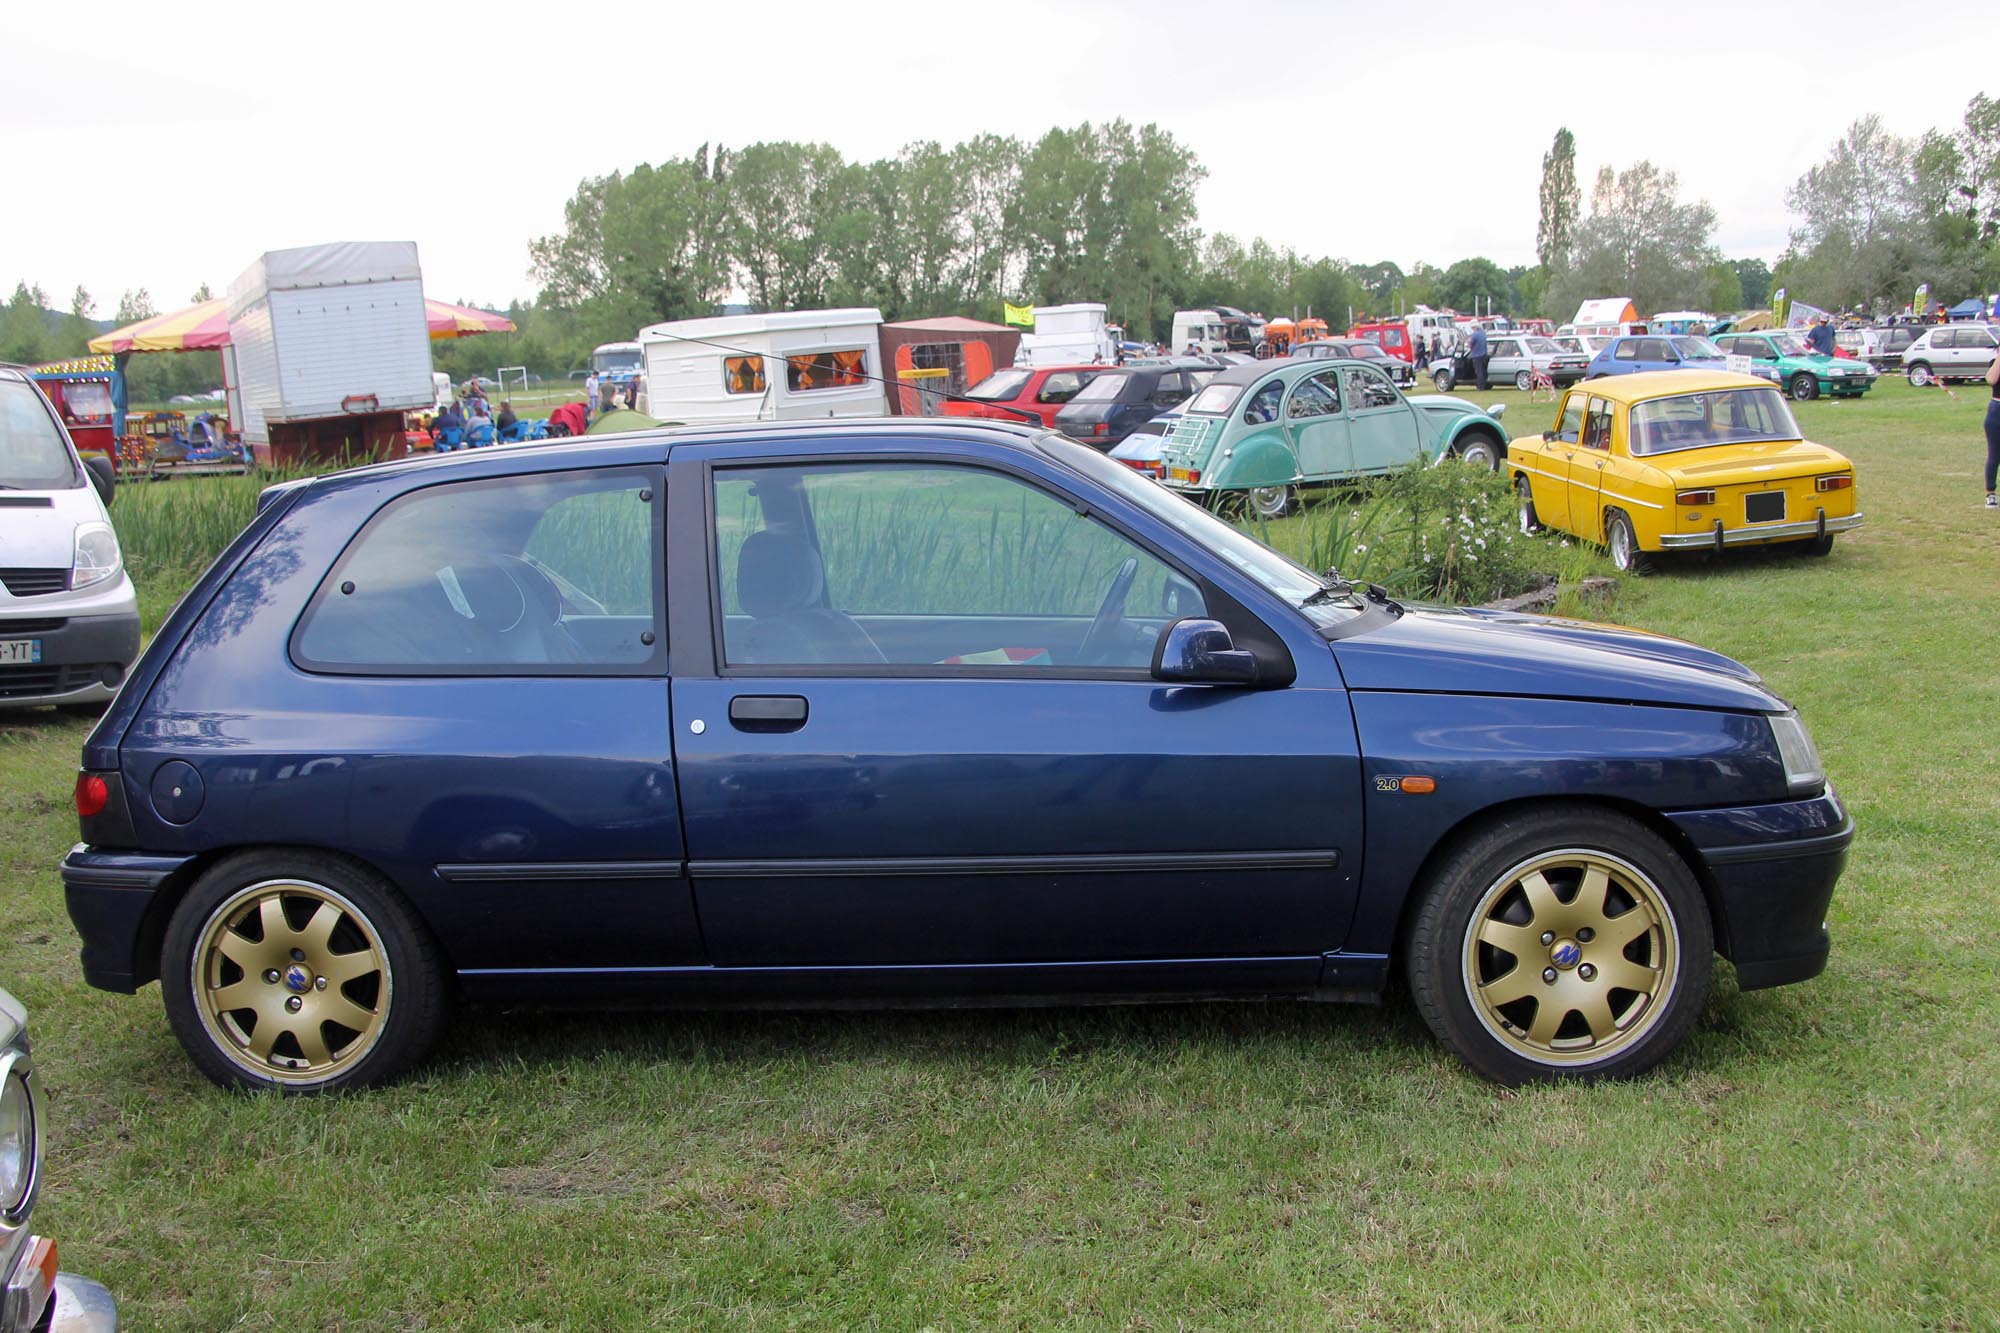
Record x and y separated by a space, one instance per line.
1803 772
17 1142
97 556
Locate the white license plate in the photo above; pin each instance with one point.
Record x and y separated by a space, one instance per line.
20 652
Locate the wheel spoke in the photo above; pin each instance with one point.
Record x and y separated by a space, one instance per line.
247 954
313 938
1521 981
1550 1011
1625 974
265 1035
345 967
242 994
1590 895
1516 940
337 1008
1596 1011
1542 899
1622 929
312 1043
271 913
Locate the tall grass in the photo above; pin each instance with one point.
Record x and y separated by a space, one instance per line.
171 531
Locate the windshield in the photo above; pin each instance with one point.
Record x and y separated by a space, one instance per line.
1277 574
617 358
1790 344
87 402
1002 384
1103 389
1696 347
1698 420
1543 346
1369 352
1215 400
33 456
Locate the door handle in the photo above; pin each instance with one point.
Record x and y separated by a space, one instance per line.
767 712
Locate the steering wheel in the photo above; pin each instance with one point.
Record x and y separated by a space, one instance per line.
1097 641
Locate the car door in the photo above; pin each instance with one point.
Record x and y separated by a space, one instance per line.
1973 350
914 728
1505 359
1382 426
1315 427
1584 470
1548 458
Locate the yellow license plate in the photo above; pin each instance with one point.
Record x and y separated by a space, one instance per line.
1179 474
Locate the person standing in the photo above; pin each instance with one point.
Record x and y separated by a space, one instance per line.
1477 351
590 392
1820 338
1992 431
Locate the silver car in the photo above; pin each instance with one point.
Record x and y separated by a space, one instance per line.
1512 356
1951 352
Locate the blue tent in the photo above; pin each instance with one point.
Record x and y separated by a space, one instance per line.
1970 308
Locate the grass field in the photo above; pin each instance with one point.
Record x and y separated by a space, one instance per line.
1817 1156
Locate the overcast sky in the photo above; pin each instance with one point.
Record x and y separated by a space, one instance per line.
164 146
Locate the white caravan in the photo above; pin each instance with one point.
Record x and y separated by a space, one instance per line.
794 365
1068 335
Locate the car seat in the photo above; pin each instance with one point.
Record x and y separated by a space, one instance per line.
781 583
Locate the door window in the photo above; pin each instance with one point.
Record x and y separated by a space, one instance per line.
1367 388
1597 425
1262 408
1317 396
1506 347
1571 424
544 575
1171 390
933 566
1062 386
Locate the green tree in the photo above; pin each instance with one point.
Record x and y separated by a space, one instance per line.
134 306
1471 284
1379 281
1561 203
24 326
1753 283
1640 240
201 293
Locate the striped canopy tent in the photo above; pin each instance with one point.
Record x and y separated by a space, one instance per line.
204 327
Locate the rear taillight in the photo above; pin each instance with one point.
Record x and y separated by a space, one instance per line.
1101 428
1692 498
1839 482
93 793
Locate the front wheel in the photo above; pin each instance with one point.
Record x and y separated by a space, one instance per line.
1523 380
1531 523
1480 450
1623 544
1443 379
1919 375
1804 387
299 971
1561 942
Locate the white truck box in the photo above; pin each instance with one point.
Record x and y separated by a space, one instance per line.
1068 335
329 331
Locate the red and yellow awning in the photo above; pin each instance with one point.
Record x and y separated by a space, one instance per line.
204 327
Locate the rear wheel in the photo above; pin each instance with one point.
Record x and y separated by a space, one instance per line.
1561 942
1530 523
1919 374
1821 545
1270 501
1623 544
300 971
1524 380
1805 387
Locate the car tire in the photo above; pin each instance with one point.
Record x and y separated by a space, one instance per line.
1804 387
1527 987
1523 380
351 991
1530 522
1621 543
1443 379
1919 374
1269 502
1820 546
1479 449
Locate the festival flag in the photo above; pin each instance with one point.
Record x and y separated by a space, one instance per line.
1019 314
1921 305
1778 308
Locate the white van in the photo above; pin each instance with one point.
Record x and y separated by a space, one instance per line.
69 621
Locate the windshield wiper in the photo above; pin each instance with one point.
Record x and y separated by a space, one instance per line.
1331 587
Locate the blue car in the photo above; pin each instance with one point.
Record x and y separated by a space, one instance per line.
1636 352
1119 400
904 712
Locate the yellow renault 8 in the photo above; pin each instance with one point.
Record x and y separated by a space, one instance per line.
1681 460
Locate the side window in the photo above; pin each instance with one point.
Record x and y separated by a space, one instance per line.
1061 387
743 374
1367 388
919 565
1506 347
545 575
1571 424
826 370
1597 425
1317 396
1262 408
1628 350
1171 389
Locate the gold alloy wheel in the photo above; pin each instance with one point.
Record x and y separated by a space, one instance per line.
291 981
1571 957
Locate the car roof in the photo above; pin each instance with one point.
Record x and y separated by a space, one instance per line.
1668 384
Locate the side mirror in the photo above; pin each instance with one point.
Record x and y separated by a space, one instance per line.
1200 652
102 475
1548 437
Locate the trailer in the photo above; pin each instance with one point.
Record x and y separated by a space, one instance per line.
929 361
793 365
331 347
1068 335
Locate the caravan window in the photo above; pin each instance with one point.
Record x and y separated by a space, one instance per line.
743 374
826 370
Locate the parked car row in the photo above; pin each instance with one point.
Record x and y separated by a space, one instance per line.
1951 352
1515 359
1804 373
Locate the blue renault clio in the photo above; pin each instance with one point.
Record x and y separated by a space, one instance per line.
905 712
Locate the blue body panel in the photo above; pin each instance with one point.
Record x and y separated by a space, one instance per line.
919 834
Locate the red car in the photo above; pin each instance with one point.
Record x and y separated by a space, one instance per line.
1023 393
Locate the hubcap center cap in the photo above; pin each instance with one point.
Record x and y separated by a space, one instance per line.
297 979
1566 954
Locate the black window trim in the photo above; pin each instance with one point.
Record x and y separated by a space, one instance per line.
1213 597
656 665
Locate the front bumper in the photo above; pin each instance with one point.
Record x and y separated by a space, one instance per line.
38 1297
83 658
1770 871
1718 536
111 898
